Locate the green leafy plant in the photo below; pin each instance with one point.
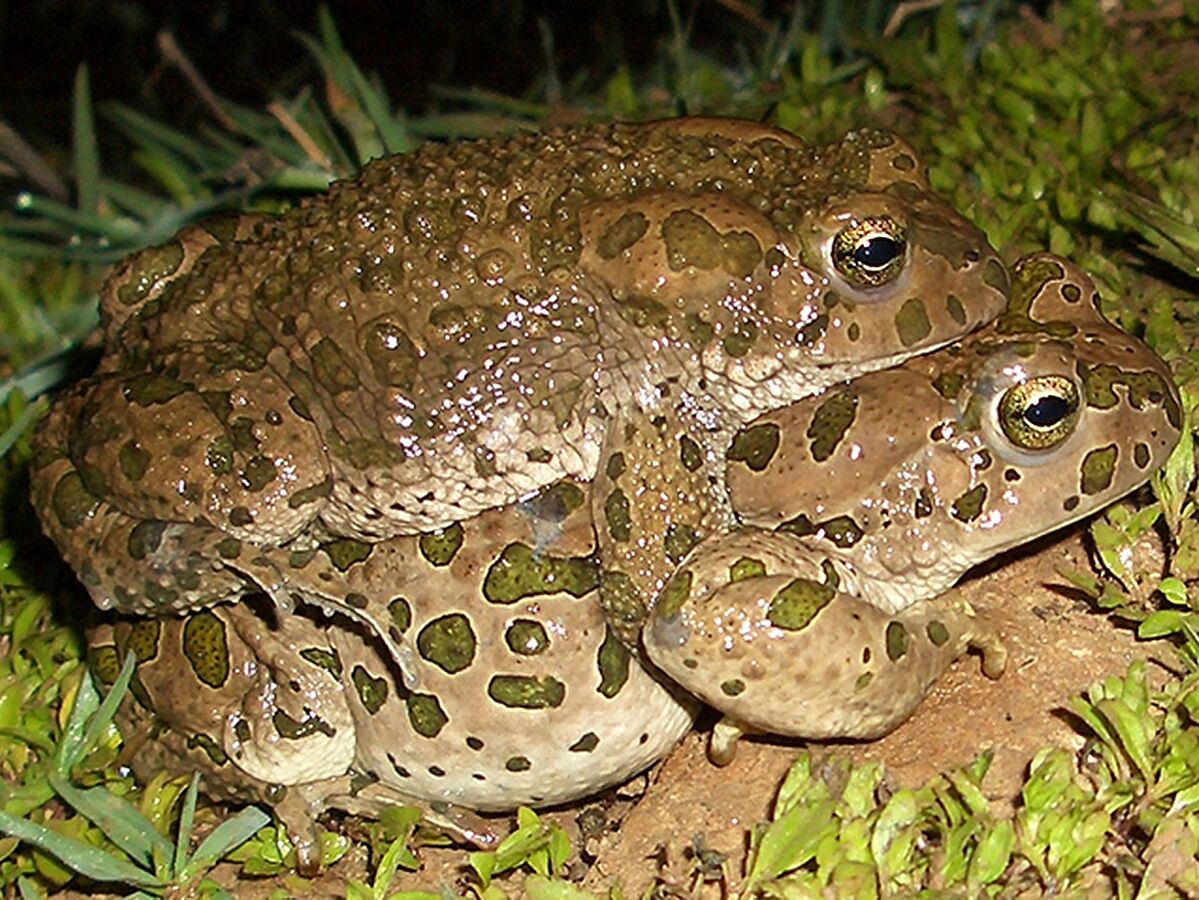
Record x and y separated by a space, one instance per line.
141 857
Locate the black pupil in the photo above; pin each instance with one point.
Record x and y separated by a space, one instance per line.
1047 411
876 252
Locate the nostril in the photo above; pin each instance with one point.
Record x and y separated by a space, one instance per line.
973 255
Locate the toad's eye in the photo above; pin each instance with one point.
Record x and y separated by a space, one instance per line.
1040 413
871 252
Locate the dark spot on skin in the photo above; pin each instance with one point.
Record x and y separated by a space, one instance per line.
690 454
755 446
440 547
612 661
745 568
145 538
437 771
357 601
949 384
1011 475
400 611
73 504
206 648
425 714
448 642
622 234
526 637
371 691
324 658
518 764
616 516
896 641
911 322
1098 469
969 506
1070 503
526 692
830 423
956 310
474 743
1140 454
345 552
795 605
679 541
937 633
1071 293
733 687
585 744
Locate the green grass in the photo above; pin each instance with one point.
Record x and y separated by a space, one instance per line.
1076 134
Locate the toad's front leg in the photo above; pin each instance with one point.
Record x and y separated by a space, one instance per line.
756 624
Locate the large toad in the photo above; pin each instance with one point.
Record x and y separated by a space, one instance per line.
463 326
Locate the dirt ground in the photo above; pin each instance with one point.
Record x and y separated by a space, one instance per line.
648 829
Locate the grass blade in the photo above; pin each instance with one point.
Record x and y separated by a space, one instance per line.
227 836
82 858
122 823
87 157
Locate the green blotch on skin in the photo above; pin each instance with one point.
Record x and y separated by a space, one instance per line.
796 604
147 271
956 310
425 714
1140 454
675 594
330 367
842 531
863 681
911 322
152 389
555 502
740 340
104 662
813 332
526 692
621 234
622 603
440 547
258 473
392 354
1098 469
207 649
209 747
371 691
133 461
969 506
615 466
949 384
733 687
400 611
346 552
585 744
755 446
643 312
289 728
518 764
690 454
323 658
896 640
218 457
526 637
830 423
448 642
145 538
616 516
679 541
355 600
73 504
241 517
745 568
700 330
142 640
613 661
520 572
691 240
996 276
1143 388
937 633
311 494
228 548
